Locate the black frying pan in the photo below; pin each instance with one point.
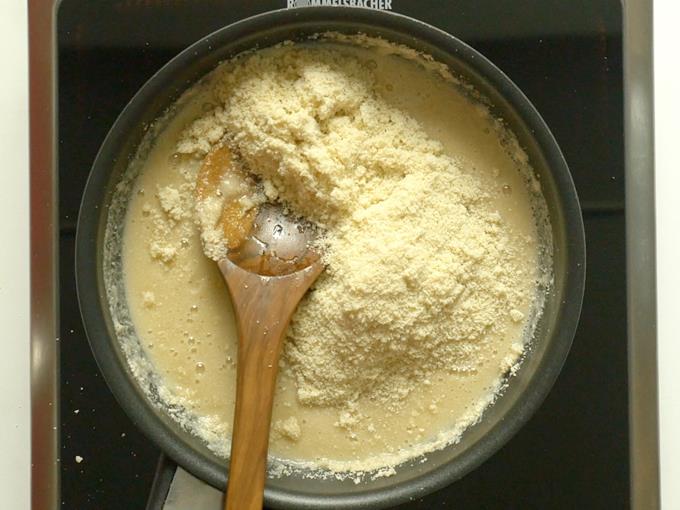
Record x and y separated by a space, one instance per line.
554 332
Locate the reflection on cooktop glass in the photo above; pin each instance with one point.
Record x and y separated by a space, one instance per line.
565 56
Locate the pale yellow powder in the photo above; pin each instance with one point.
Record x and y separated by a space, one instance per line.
420 268
390 402
288 428
209 212
171 202
163 252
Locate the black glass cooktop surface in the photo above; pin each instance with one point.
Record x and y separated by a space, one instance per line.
566 57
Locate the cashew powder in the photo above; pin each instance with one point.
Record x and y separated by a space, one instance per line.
428 213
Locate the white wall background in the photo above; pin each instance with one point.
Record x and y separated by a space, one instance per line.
667 149
14 259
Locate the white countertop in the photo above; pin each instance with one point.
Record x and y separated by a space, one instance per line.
14 255
14 259
667 146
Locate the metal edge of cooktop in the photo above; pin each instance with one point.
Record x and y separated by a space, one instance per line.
640 256
44 256
643 406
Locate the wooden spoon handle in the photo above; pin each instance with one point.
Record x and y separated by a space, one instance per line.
256 381
264 306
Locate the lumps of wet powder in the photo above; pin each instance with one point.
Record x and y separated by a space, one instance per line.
420 268
288 428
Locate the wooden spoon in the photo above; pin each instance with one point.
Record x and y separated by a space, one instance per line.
269 267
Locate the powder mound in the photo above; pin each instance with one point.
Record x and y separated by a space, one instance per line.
420 268
209 212
162 252
171 202
289 428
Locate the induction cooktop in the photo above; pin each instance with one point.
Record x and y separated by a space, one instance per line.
565 55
